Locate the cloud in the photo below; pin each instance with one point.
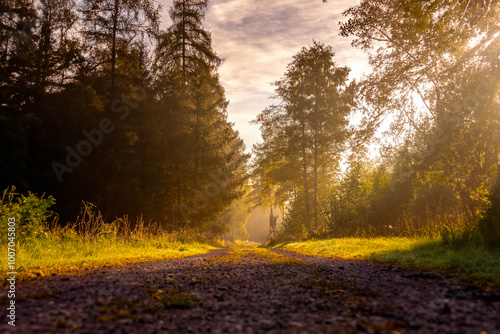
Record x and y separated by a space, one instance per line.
258 38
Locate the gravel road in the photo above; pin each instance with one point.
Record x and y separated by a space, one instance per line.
252 290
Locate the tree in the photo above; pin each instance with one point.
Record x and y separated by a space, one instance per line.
58 51
419 49
109 21
308 128
436 74
347 204
172 157
490 222
192 104
40 53
115 33
187 43
17 47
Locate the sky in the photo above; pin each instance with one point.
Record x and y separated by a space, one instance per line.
258 38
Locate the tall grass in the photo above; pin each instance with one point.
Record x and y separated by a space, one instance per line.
65 251
89 242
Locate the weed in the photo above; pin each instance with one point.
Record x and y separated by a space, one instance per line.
173 298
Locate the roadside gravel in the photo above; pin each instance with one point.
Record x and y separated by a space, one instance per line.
252 290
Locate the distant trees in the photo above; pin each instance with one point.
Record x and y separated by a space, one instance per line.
39 56
167 151
431 102
305 133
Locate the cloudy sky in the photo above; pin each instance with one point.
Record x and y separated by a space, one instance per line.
258 38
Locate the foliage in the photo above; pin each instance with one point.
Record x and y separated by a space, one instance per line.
67 67
30 212
91 242
346 206
110 22
435 81
187 43
203 176
489 225
303 135
460 237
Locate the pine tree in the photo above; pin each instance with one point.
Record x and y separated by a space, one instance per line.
39 56
108 22
189 44
308 129
115 32
200 142
17 24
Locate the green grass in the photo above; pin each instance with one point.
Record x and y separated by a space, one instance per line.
475 264
60 253
45 249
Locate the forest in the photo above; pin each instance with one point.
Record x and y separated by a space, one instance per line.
371 193
430 107
100 105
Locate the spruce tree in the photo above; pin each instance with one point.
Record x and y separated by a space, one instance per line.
200 141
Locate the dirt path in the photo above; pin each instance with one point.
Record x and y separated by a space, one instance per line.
252 290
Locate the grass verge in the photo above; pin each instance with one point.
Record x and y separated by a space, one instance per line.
43 249
474 264
63 254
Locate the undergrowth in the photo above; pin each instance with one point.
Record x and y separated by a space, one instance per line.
43 247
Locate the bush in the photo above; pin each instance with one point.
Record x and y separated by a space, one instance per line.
489 225
490 229
31 214
457 238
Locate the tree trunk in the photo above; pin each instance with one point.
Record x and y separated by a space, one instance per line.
113 46
316 143
304 165
180 224
196 143
315 199
183 42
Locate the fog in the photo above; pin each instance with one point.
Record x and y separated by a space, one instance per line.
258 224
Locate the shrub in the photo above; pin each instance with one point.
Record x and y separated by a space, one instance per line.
489 225
459 237
31 214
